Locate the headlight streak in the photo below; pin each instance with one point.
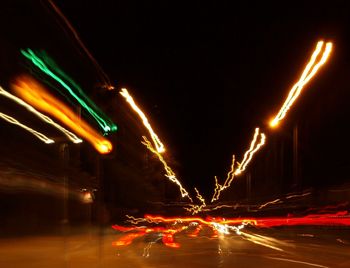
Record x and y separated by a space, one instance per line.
156 141
260 240
45 118
309 71
50 68
39 135
35 94
254 147
169 172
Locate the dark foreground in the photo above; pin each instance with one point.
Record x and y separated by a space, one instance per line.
292 247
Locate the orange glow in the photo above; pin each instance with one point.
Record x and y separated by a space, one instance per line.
36 95
43 117
170 174
156 141
221 227
309 72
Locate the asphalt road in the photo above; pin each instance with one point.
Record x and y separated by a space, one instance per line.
287 247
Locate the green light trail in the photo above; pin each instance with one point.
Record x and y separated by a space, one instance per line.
50 68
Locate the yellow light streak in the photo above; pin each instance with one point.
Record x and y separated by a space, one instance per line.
43 117
194 209
278 200
252 150
34 132
260 240
35 94
170 174
309 72
227 183
157 143
254 147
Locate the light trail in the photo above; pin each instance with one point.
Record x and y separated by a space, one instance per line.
296 261
260 240
227 183
50 68
194 209
221 227
45 118
156 141
35 94
39 135
170 174
279 200
252 150
309 72
254 147
166 234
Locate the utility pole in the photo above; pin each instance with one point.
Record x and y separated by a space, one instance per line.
64 157
295 156
249 188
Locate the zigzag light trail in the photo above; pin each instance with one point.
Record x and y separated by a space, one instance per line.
304 79
45 118
170 174
254 147
34 132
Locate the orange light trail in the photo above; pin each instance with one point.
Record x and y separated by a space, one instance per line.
226 226
34 132
35 94
45 118
156 141
254 147
170 174
309 72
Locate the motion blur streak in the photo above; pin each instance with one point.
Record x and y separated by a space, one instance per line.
50 68
157 143
252 150
227 183
304 79
296 261
34 132
35 94
242 166
105 79
221 227
167 234
194 209
169 172
279 200
45 118
341 218
260 240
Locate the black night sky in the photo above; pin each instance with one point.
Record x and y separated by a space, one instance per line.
207 74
